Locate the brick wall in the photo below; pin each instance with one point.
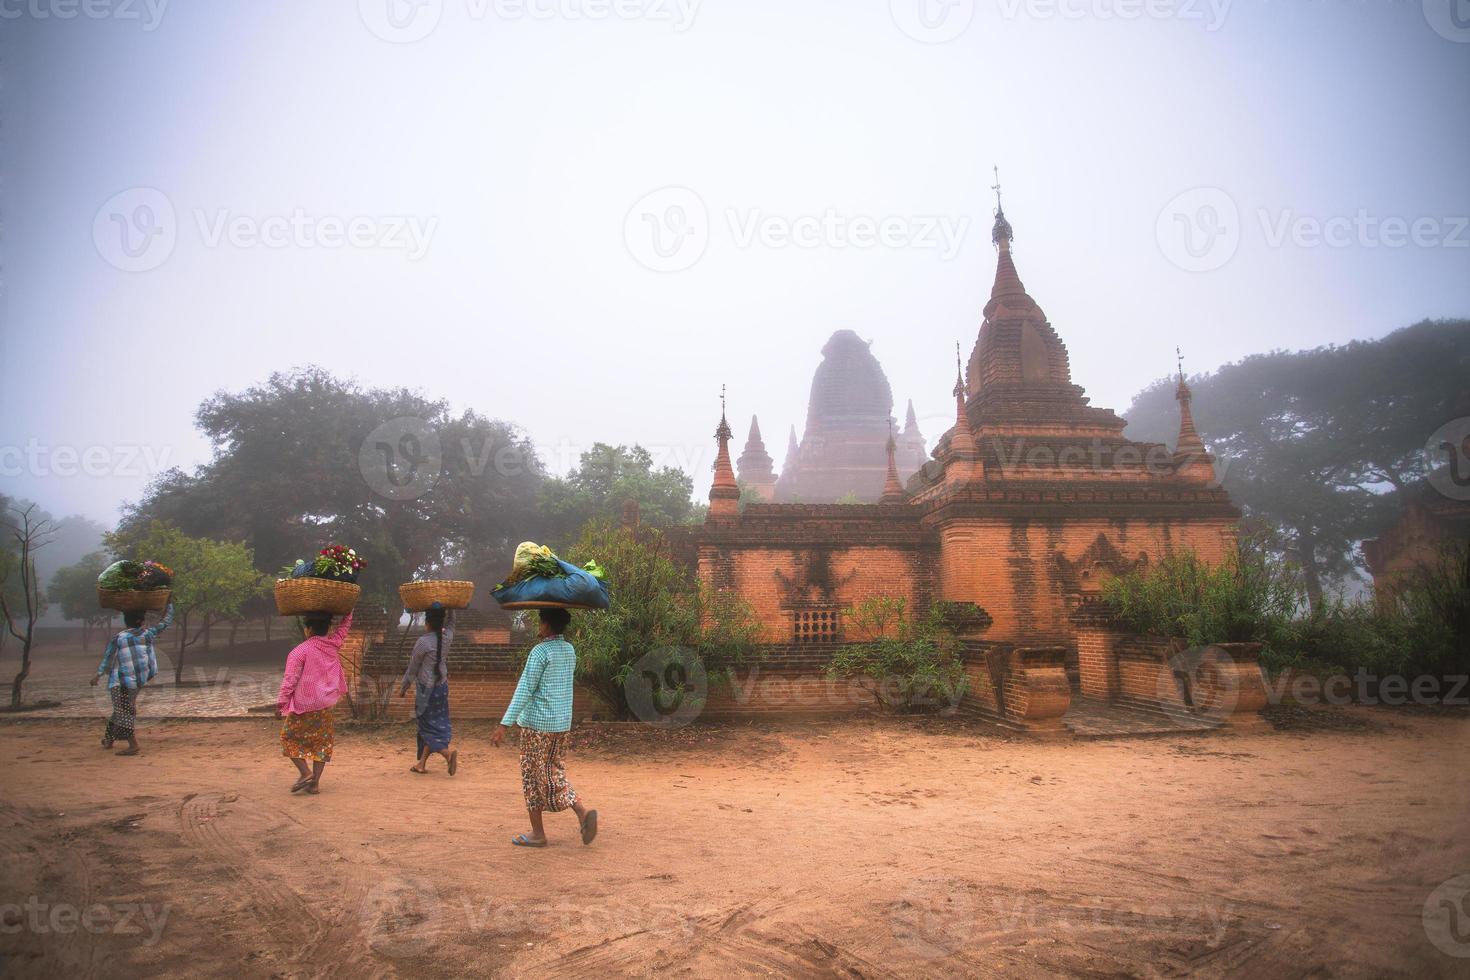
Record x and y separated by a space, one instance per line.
1097 662
776 581
1144 670
1010 567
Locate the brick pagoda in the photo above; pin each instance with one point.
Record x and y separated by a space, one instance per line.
1032 497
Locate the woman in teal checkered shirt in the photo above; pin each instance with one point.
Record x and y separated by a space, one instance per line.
542 709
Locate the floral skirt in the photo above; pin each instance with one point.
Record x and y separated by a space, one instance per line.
124 713
308 736
543 771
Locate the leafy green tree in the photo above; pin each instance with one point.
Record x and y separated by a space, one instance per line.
306 459
657 605
212 579
606 478
1318 446
74 589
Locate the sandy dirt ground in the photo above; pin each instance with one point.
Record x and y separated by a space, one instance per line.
857 849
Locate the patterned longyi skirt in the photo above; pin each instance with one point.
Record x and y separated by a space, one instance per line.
544 772
308 736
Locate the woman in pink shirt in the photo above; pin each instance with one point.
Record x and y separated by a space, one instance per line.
312 684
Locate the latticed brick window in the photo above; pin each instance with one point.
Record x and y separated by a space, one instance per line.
816 625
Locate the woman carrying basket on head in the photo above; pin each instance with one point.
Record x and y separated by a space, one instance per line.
428 672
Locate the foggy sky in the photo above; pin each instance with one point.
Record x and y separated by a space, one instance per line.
504 163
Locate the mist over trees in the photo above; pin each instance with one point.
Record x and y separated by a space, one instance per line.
306 458
1320 447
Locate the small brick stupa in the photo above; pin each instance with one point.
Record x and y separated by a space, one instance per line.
754 468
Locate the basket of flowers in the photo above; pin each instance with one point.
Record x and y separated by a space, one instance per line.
134 586
540 580
447 593
326 585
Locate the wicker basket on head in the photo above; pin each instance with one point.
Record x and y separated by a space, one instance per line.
299 596
449 593
133 600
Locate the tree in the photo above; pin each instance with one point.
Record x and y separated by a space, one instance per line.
658 606
212 579
605 478
1317 446
306 459
74 588
28 530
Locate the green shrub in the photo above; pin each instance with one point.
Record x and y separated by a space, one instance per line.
1248 598
905 662
1423 627
656 606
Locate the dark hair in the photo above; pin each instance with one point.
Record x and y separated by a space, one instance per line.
434 620
133 618
316 624
557 619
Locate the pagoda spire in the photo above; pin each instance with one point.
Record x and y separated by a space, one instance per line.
892 489
724 492
1191 459
793 451
911 421
962 442
753 468
1007 279
753 440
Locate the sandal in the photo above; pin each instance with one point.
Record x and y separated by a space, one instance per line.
312 788
521 840
301 784
453 761
417 770
589 827
127 752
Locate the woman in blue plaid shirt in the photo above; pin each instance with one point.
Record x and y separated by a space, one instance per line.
128 664
542 709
